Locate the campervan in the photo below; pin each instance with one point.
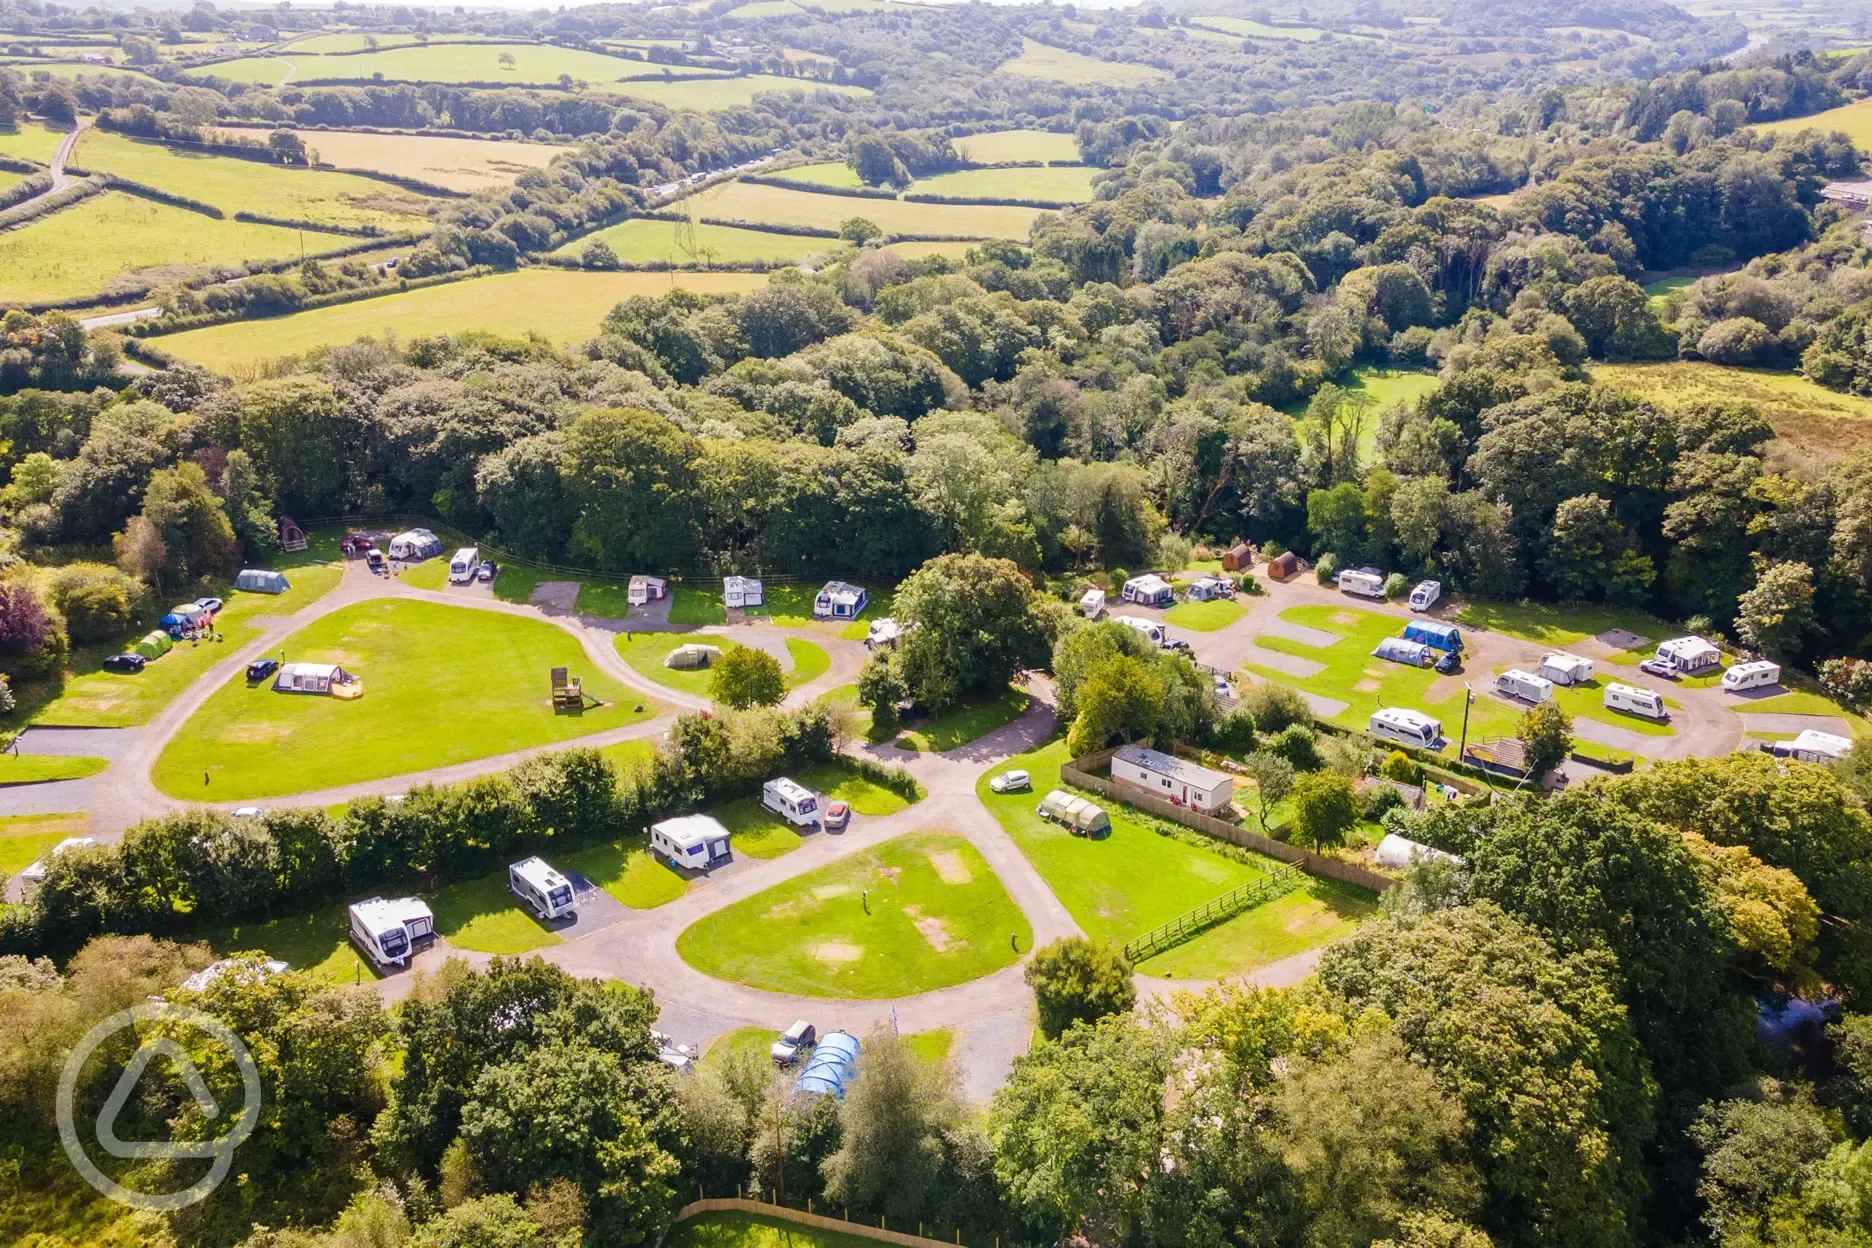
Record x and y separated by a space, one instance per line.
693 841
387 932
463 564
1151 630
1634 701
1755 675
795 803
1407 727
1366 582
1565 669
884 632
1424 595
1524 686
547 892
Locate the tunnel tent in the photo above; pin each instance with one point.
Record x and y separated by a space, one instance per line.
262 581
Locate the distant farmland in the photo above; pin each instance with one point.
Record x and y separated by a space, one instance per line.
1040 60
997 146
772 205
458 164
644 241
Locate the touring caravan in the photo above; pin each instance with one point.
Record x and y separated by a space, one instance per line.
1407 727
546 892
1634 701
1151 630
884 632
693 841
1688 656
1565 669
387 932
462 565
795 803
1424 595
1366 582
1524 686
742 591
839 601
1812 746
645 589
1092 604
1149 590
1409 653
415 544
1755 675
1435 633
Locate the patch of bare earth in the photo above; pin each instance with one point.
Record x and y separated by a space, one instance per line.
950 868
838 952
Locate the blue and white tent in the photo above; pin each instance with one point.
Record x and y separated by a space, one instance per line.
832 1066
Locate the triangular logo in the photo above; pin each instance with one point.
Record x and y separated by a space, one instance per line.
126 1083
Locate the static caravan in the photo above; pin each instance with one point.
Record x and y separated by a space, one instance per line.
415 544
1755 675
1409 653
1149 590
1397 852
387 932
1173 779
1813 747
1149 628
1524 686
1092 604
544 890
644 589
1210 588
1435 633
1365 582
693 841
1424 595
323 678
215 970
1689 656
1407 727
262 581
742 591
1077 814
1565 669
795 803
839 601
463 564
1634 701
692 655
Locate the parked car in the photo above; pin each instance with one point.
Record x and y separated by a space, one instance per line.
1222 686
487 570
374 560
260 669
125 664
1659 667
248 812
837 816
210 605
1450 662
676 1058
1177 644
1011 782
793 1043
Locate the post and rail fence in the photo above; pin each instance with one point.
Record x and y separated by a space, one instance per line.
1276 883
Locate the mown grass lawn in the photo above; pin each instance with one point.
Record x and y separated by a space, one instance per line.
810 662
754 830
482 916
1317 913
840 783
1587 701
1550 624
628 871
966 722
697 608
25 838
1206 617
442 684
37 768
645 653
824 173
917 913
1068 184
317 942
31 140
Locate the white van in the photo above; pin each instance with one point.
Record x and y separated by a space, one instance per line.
1151 630
464 564
547 892
1407 727
795 803
1634 701
1524 686
1366 582
1753 675
387 932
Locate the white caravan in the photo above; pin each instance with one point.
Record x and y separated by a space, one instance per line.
463 565
1635 701
1755 675
1366 582
544 890
1565 669
1813 746
387 931
1151 630
1425 594
693 841
1407 727
1524 686
795 803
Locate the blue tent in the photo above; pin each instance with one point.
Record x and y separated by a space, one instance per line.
831 1067
1434 633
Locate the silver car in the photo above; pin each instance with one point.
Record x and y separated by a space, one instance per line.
1011 782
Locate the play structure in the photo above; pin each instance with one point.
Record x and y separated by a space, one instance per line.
568 692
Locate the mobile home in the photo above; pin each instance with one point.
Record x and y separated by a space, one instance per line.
1756 675
36 870
1149 590
463 564
1690 655
1173 779
693 841
387 932
795 803
1435 633
1150 629
1092 604
1407 727
1634 701
839 601
1812 746
1565 669
544 890
1365 582
1409 653
1524 686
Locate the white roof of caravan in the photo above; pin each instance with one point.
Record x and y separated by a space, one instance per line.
381 915
790 789
732 583
689 831
1092 595
1149 582
1686 648
1170 765
416 535
1631 691
540 873
328 670
1566 662
215 970
1524 675
1822 742
840 590
1400 851
1405 716
1751 667
468 552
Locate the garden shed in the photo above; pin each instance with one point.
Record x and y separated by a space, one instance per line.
325 678
415 544
1238 558
262 581
742 591
692 656
155 644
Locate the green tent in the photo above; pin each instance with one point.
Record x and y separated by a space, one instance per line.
155 645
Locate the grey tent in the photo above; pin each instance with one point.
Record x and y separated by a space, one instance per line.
1077 813
262 581
692 656
1409 653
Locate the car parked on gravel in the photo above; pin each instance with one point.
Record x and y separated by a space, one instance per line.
837 817
794 1043
211 605
1659 667
487 570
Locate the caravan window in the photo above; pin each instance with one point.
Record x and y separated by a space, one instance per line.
561 896
394 943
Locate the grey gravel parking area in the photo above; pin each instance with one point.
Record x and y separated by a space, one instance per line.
77 742
1775 721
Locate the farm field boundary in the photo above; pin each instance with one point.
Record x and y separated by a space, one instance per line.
733 1204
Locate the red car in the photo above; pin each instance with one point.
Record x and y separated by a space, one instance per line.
837 815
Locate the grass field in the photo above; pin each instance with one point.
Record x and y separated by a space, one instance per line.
317 942
1247 28
71 71
1660 290
997 146
645 653
809 662
1040 60
644 241
774 205
745 1230
564 306
31 140
1558 626
627 871
825 173
765 8
24 838
38 768
534 64
756 832
1799 410
840 783
486 671
1206 617
1852 120
916 251
967 722
917 913
459 164
712 95
481 916
1062 184
99 699
234 185
57 256
1386 386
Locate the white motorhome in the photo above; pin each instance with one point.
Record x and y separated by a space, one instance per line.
795 803
1755 675
693 841
1524 686
387 932
1812 746
544 890
1407 727
1634 701
1565 669
462 565
1366 582
1425 594
1150 629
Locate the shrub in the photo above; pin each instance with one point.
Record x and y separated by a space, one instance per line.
1275 707
1235 734
1374 800
1849 680
32 638
96 600
1410 347
1737 341
1325 807
1299 745
1401 767
1247 584
598 255
1324 569
1077 981
1395 585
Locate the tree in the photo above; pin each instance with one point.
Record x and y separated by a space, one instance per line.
291 427
1122 696
971 625
859 230
96 600
632 474
1546 733
1075 980
506 60
1325 809
495 1221
747 676
1336 518
1586 538
881 688
140 551
1776 616
1273 778
187 516
249 510
31 637
894 1124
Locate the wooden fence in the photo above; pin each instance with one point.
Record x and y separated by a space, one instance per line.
731 1204
1277 883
